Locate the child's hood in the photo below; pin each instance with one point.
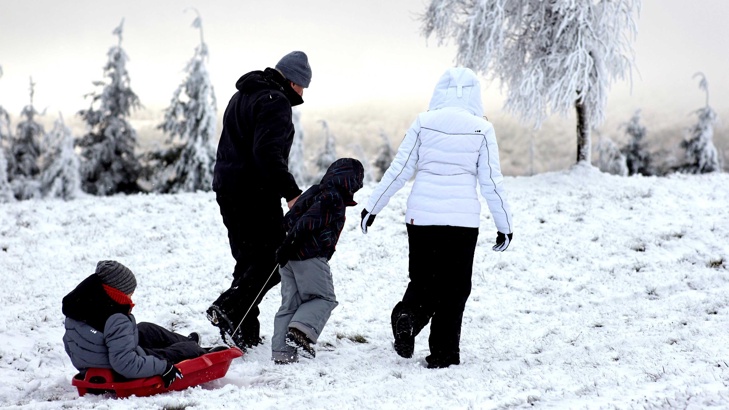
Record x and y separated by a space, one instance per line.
345 174
91 304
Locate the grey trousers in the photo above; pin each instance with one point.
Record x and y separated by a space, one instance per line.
307 301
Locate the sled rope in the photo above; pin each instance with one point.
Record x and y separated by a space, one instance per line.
254 300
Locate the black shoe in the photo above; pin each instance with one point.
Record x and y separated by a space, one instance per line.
441 360
218 318
297 339
404 339
195 337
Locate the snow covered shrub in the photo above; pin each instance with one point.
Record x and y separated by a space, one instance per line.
329 153
637 158
297 163
60 176
385 155
610 159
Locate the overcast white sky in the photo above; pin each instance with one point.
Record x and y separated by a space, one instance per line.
359 51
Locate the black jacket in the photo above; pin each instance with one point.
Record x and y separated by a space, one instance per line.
317 218
254 146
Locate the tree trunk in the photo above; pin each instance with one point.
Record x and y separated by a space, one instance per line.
584 148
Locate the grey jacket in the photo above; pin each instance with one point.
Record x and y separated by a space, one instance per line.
115 347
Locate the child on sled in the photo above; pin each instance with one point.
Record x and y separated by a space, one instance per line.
101 331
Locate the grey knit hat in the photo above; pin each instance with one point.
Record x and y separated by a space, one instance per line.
116 275
295 67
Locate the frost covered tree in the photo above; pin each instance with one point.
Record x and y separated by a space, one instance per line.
25 149
190 122
610 159
297 163
385 155
553 55
329 154
60 176
701 155
108 163
637 158
6 193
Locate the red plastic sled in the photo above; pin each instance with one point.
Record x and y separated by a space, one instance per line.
196 371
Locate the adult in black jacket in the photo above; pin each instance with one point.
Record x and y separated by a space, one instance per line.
250 177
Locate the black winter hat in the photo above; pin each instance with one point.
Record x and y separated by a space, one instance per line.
295 67
117 276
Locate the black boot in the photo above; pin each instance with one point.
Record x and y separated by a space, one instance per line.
298 340
402 329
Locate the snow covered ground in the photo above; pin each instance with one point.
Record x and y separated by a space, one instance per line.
613 294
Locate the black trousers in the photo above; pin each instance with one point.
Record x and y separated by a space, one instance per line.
440 265
164 344
255 231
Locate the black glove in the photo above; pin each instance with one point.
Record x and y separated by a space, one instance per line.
502 241
282 254
171 374
367 219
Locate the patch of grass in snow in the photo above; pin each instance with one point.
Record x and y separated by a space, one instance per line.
717 263
357 338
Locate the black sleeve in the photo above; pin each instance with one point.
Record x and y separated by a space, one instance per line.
271 143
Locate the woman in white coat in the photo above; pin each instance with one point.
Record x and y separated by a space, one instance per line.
450 149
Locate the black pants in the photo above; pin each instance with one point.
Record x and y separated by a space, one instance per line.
164 344
441 264
255 231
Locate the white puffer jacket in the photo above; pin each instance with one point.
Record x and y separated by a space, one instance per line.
450 148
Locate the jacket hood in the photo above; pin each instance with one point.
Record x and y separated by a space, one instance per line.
347 175
89 303
269 79
458 87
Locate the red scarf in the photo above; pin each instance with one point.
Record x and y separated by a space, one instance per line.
119 297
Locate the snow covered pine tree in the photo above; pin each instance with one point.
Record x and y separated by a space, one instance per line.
6 193
552 55
108 164
701 154
190 122
25 149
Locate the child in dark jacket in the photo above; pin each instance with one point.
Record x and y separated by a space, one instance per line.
102 332
307 290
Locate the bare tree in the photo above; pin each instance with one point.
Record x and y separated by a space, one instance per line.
553 55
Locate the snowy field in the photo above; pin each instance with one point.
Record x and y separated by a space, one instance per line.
613 294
